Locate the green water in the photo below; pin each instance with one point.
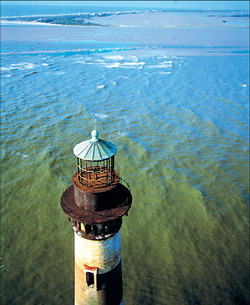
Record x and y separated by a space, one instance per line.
179 245
182 246
182 143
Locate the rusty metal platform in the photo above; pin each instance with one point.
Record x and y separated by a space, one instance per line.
119 197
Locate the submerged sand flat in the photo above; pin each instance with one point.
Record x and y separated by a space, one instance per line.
186 33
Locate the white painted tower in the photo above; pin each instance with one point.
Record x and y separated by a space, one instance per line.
95 204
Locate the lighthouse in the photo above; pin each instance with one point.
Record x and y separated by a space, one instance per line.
95 204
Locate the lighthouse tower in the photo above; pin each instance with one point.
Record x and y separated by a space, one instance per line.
95 204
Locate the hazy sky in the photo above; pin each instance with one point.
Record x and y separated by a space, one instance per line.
237 5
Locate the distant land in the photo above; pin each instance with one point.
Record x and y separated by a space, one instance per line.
84 19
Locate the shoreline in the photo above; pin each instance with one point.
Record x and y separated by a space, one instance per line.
170 52
168 19
6 22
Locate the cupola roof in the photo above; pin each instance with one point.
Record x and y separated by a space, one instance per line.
94 149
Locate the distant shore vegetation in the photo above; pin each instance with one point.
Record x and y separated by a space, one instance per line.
60 20
84 19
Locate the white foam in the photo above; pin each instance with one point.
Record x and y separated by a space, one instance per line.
167 62
128 67
20 66
161 72
160 66
134 58
114 57
133 63
101 115
115 65
5 69
25 156
244 85
90 61
26 65
100 87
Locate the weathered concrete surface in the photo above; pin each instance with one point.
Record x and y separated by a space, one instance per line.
101 254
102 260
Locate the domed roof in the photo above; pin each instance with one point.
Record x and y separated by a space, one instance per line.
94 149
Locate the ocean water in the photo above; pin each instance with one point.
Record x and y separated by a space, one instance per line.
175 101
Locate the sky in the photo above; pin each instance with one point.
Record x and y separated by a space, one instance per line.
220 5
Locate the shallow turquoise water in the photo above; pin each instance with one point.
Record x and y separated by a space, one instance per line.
181 127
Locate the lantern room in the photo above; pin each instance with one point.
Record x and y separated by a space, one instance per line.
95 162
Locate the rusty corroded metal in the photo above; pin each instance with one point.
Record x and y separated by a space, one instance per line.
119 199
99 231
97 185
97 174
